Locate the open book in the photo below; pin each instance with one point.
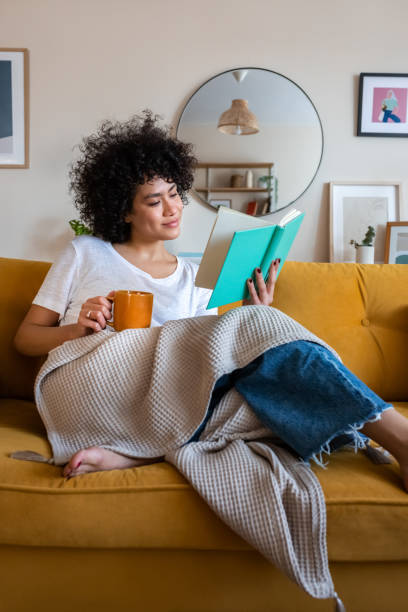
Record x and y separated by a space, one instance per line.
238 244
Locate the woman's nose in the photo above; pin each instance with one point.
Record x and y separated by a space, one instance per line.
170 206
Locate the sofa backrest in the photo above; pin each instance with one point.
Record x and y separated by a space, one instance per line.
360 310
19 282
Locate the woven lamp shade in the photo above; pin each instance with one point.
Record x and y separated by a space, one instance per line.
238 120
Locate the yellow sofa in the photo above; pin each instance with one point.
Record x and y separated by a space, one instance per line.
142 540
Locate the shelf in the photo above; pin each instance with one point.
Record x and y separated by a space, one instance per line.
215 173
232 189
234 165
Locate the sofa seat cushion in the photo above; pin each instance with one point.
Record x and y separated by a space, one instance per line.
154 507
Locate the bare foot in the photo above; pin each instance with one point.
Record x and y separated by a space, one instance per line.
391 432
96 459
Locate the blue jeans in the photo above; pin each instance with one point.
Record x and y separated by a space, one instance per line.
306 396
388 114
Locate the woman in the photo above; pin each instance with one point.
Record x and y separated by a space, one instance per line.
130 186
389 104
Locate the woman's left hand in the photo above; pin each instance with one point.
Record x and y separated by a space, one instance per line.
263 293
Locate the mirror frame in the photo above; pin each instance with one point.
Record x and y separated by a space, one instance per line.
196 194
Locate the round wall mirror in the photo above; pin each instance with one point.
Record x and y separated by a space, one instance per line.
258 139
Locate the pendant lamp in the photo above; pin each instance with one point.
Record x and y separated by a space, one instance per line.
238 120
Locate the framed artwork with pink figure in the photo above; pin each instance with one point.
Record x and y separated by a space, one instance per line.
382 105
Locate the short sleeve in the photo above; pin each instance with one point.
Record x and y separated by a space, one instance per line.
56 289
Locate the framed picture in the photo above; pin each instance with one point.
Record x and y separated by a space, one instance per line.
218 203
396 242
355 206
382 105
13 108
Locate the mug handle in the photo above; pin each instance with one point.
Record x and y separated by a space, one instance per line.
111 299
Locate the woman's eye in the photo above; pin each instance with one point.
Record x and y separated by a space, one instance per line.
154 203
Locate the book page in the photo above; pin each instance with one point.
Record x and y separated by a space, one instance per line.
226 223
289 217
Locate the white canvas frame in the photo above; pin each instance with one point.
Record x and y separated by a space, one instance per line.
348 203
14 152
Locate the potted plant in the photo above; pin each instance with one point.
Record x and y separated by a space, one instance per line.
266 182
79 228
365 250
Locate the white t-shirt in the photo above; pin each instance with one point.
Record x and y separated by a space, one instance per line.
90 267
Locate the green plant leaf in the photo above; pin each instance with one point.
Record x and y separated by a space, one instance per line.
79 228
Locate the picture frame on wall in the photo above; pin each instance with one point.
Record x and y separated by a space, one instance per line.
356 205
396 242
383 105
14 111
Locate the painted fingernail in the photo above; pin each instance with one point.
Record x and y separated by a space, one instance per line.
250 280
258 269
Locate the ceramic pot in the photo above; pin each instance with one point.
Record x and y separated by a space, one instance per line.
365 255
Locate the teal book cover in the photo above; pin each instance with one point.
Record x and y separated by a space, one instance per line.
250 249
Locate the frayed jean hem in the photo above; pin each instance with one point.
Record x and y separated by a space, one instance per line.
356 440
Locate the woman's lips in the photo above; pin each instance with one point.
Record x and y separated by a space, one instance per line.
172 223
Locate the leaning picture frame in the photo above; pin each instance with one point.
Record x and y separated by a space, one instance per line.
383 104
356 205
14 111
396 242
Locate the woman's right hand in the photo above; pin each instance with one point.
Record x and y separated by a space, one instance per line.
94 314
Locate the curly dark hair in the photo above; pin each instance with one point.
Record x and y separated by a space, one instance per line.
116 160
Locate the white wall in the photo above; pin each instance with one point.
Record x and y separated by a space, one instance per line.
96 59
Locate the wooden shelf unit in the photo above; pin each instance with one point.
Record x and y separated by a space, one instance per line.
209 188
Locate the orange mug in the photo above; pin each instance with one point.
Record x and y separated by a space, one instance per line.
131 309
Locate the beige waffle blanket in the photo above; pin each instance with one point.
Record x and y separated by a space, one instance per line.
143 393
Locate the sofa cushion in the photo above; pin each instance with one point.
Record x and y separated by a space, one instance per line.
154 506
20 281
360 310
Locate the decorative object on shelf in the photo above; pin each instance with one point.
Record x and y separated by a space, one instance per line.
79 228
14 115
249 178
356 205
264 208
281 137
396 242
365 249
252 208
238 120
237 180
270 183
266 181
218 203
382 104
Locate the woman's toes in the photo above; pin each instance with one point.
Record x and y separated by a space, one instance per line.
73 464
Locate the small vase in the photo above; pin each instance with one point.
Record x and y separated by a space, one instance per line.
365 255
237 180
